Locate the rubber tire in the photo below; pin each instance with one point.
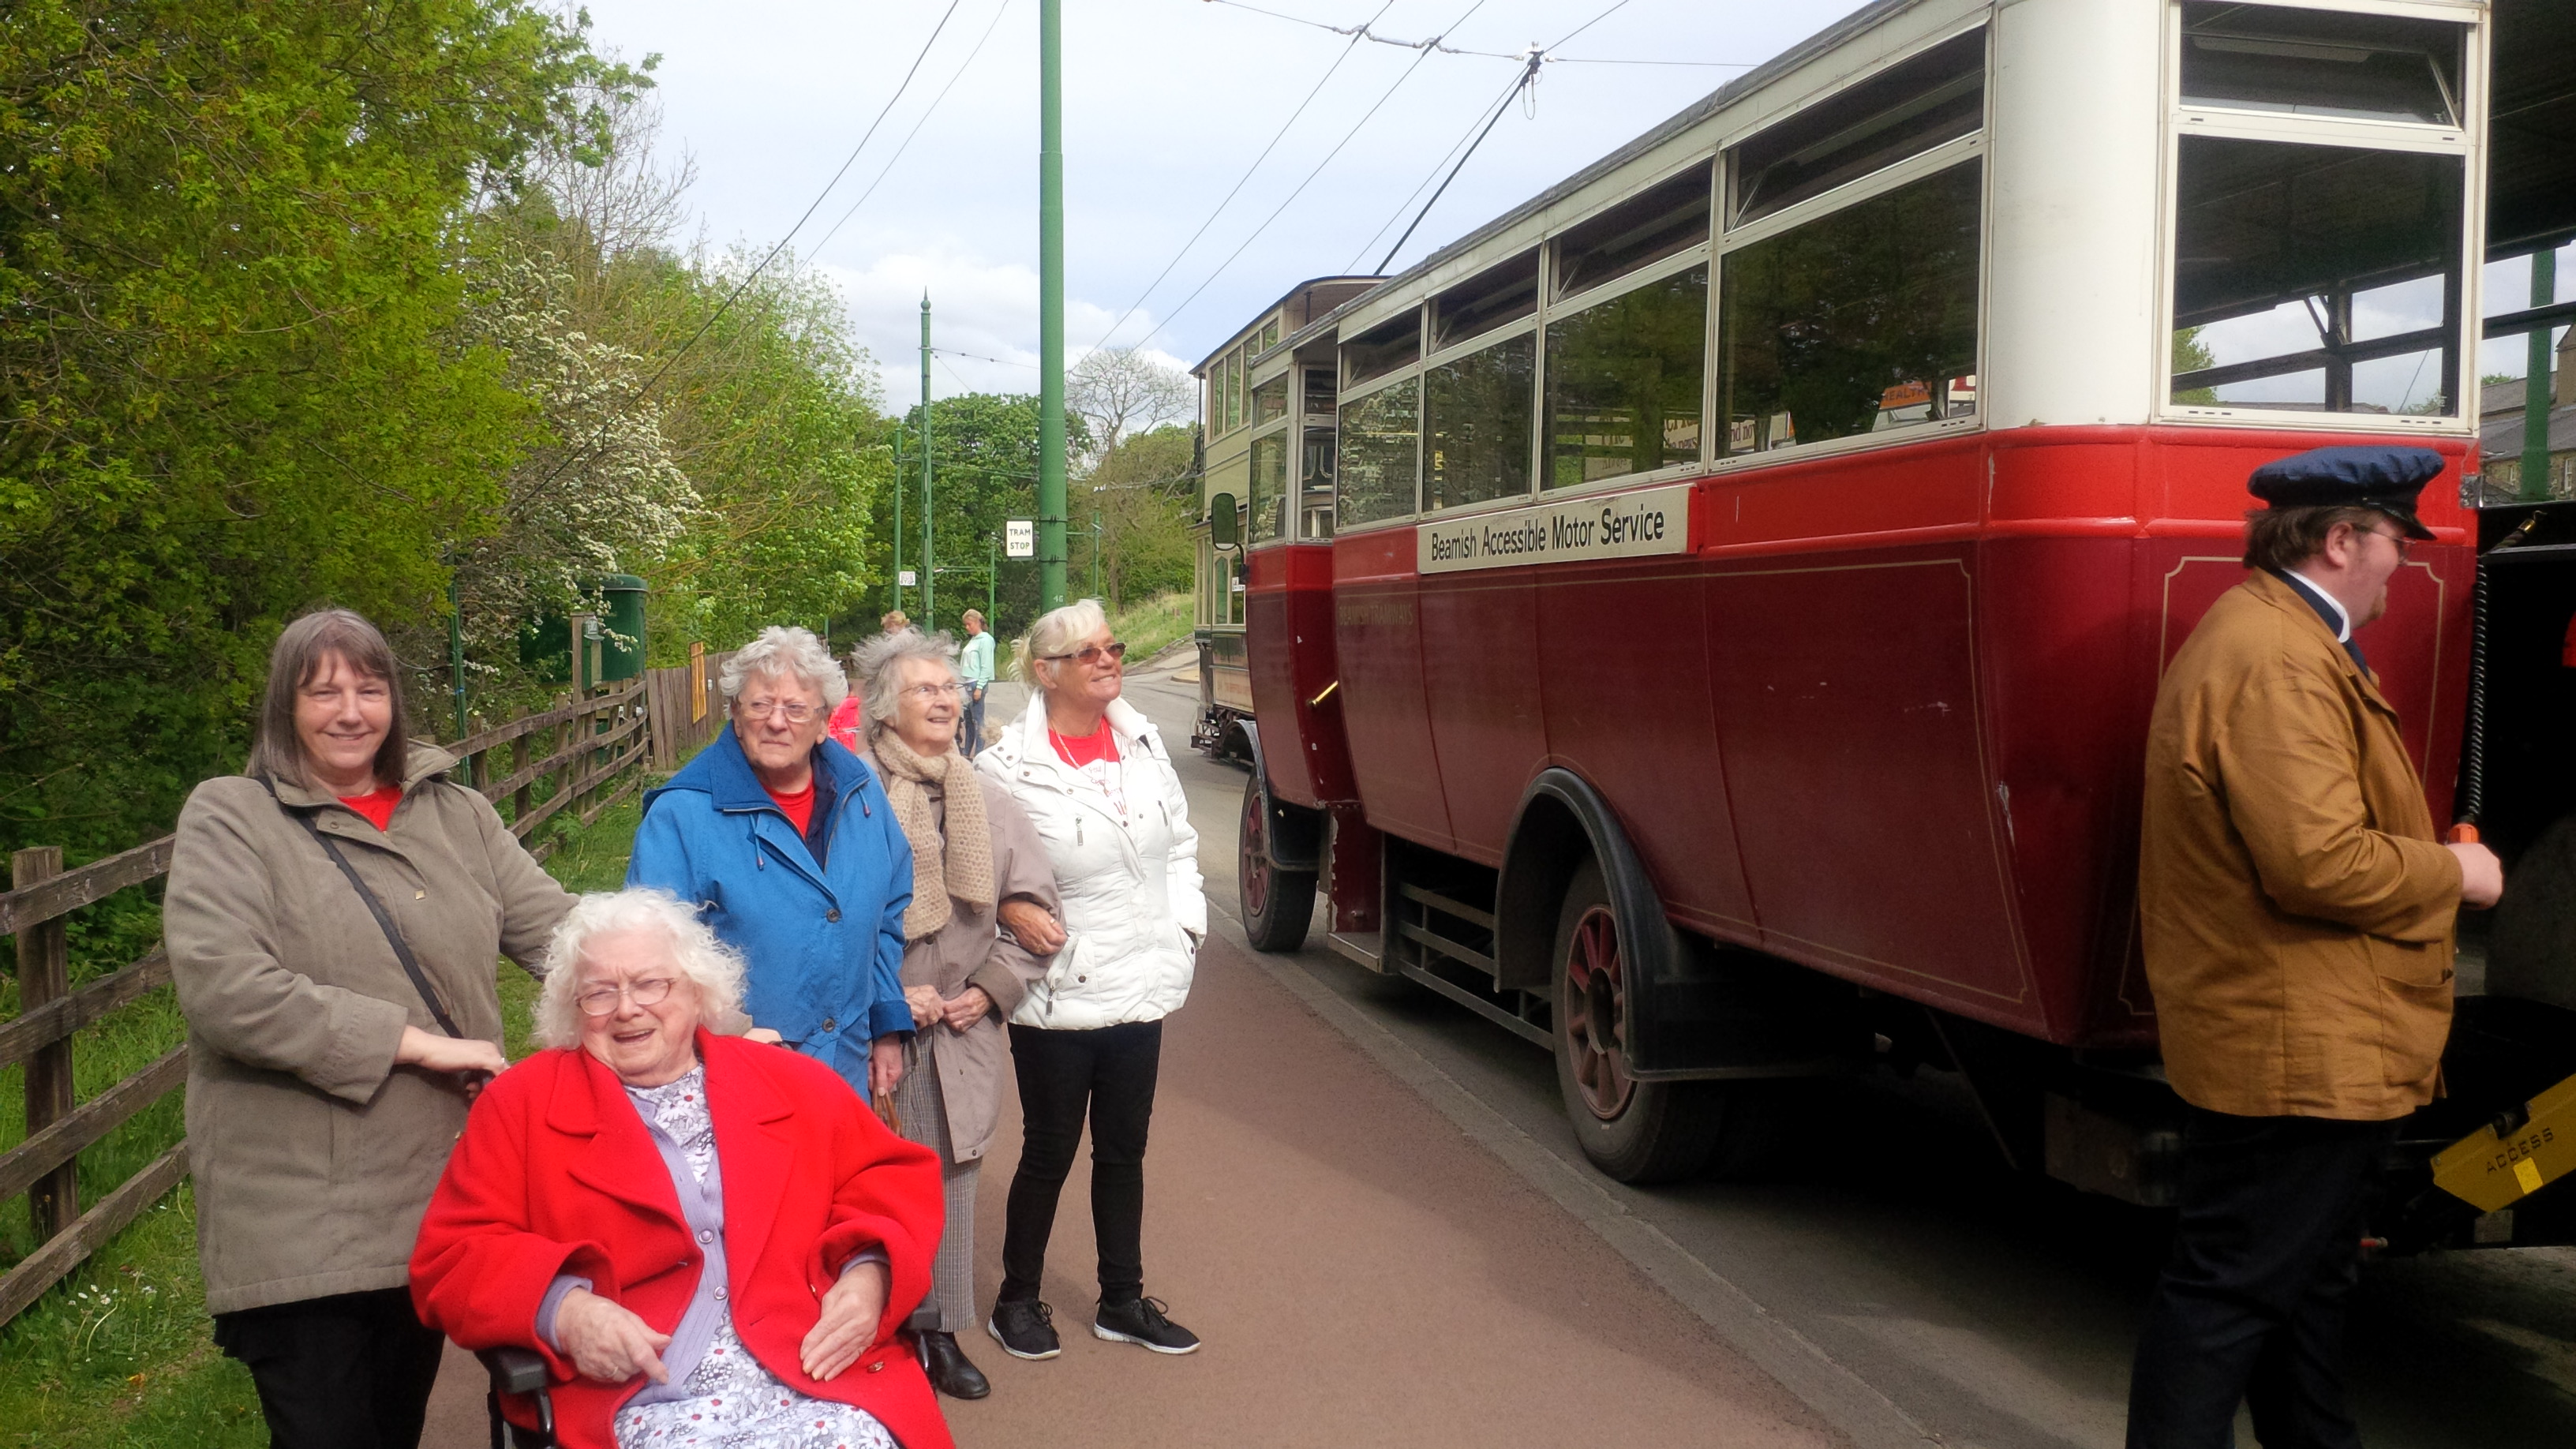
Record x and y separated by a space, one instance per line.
1668 1130
1275 917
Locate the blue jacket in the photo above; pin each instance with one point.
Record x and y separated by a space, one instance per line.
824 939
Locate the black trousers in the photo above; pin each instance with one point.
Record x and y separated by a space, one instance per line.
2250 1308
351 1371
1110 1073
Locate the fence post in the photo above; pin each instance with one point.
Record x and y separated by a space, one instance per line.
520 800
44 973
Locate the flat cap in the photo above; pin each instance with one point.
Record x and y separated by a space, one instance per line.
2387 479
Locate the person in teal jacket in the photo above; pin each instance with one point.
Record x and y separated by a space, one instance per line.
785 843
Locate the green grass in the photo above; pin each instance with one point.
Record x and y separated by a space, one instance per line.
1151 626
121 1353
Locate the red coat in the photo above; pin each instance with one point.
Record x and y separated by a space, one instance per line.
556 1174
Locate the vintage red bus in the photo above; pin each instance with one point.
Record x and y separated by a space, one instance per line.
1724 650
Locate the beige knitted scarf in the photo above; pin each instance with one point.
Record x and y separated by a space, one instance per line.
959 866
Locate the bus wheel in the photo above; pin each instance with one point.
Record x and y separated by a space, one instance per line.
1276 903
1634 1131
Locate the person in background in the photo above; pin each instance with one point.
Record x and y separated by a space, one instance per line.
1093 776
801 1229
324 1087
894 621
980 927
975 667
2298 914
782 839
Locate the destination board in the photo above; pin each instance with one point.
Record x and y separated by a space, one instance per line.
1619 525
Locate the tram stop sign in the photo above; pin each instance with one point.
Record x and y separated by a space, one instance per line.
1020 538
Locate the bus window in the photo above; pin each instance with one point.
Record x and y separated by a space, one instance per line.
1315 484
1234 389
2321 63
1476 424
1395 344
1666 221
1270 400
1496 297
1903 111
1269 336
2316 278
1269 485
1376 475
1623 381
1821 325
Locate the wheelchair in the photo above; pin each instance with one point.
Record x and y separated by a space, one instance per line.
521 1373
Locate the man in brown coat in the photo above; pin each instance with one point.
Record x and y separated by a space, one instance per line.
2298 912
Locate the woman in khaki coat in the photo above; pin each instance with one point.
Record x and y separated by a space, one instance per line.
980 928
324 1089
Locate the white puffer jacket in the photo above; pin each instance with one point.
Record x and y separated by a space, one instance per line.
1130 885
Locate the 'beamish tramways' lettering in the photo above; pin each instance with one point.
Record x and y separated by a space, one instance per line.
1625 525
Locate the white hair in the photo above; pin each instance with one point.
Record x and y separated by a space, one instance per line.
1061 631
882 681
715 967
783 649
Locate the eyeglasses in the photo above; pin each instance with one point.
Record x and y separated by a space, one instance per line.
602 1000
1093 653
796 710
931 693
2405 545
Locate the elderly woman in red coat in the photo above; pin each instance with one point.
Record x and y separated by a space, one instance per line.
710 1239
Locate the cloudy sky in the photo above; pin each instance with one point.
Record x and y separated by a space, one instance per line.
1167 104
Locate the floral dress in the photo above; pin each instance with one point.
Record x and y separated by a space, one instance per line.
729 1401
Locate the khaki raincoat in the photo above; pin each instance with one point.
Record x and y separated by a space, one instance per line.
2297 907
314 1154
971 950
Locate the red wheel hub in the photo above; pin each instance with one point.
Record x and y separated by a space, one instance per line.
1254 866
1594 1005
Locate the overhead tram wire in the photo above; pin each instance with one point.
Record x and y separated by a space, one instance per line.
1362 31
1240 181
754 274
1281 209
1528 74
1433 174
918 123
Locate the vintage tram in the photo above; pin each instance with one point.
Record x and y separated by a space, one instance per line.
1720 643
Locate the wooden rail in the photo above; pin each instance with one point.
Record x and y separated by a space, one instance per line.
585 755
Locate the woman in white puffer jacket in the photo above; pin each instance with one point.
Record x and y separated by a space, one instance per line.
1093 776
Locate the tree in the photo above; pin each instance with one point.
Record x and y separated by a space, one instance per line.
1119 390
1142 493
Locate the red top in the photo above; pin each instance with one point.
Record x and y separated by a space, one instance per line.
1091 749
845 724
799 806
376 805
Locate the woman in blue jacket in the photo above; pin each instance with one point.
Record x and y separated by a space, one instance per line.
785 842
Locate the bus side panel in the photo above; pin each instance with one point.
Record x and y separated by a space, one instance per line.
1624 648
1377 636
1293 660
1480 674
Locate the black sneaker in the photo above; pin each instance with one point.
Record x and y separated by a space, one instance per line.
1142 1322
1024 1329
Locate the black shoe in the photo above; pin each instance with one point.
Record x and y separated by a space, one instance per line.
1142 1321
950 1373
1024 1329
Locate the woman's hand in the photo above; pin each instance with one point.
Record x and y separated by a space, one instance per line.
606 1341
849 1323
885 1064
1031 925
966 1008
925 1004
764 1036
448 1053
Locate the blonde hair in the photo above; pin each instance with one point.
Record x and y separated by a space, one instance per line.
1061 631
714 967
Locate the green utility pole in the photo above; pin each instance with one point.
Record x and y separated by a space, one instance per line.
993 583
929 600
899 486
1050 304
2535 383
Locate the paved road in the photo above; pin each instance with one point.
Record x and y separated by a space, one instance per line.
1985 1308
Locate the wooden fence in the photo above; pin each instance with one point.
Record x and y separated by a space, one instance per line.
686 707
592 751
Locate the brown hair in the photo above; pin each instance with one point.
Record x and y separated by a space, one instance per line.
2282 538
303 648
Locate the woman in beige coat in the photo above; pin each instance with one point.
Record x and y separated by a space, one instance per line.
325 1087
980 929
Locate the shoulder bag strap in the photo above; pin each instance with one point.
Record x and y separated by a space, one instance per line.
376 908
